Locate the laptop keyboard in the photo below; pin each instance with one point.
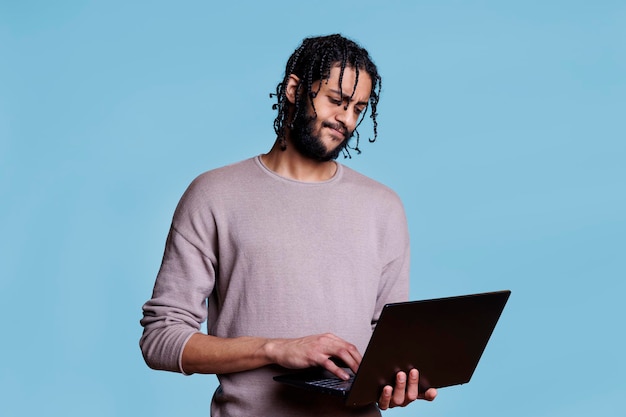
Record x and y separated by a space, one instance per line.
333 383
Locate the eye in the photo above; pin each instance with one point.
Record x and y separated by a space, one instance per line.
334 101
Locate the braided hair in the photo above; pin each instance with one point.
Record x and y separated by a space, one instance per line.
312 62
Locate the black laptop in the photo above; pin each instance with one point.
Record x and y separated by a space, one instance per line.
443 338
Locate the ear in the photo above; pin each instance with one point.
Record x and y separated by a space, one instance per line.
292 87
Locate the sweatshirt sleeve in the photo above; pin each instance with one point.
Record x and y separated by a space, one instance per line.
395 246
178 304
185 281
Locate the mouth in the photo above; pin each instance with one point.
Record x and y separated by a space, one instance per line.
337 131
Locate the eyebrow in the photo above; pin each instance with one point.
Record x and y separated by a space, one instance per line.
344 96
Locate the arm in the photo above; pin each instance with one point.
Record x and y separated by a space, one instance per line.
210 354
172 317
394 287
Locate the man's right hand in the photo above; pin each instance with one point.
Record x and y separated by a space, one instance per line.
316 350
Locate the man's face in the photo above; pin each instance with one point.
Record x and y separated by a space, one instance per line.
323 137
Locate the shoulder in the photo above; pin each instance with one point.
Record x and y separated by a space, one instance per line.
382 208
375 190
223 179
213 185
226 174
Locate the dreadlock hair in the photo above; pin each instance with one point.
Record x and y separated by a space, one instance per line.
312 62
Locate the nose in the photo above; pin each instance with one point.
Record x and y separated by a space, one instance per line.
347 116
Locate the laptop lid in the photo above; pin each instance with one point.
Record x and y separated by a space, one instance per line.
443 338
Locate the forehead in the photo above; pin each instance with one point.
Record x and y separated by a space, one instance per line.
348 80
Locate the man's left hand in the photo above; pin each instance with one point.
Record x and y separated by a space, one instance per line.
404 392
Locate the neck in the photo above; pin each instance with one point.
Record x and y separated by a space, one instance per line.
291 164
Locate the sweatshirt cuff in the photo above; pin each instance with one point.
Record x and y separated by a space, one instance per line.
180 355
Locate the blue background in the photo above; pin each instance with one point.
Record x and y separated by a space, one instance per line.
502 127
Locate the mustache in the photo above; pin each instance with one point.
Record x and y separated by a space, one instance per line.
338 126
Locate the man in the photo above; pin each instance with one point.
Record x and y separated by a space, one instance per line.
289 255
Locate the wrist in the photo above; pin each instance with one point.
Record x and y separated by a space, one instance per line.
269 350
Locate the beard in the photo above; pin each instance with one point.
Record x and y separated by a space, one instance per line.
310 144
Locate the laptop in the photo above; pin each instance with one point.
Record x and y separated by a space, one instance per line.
443 338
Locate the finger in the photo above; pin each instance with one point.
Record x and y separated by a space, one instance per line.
399 391
430 394
351 357
412 386
332 367
385 397
346 352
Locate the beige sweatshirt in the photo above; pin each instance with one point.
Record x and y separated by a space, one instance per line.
257 254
